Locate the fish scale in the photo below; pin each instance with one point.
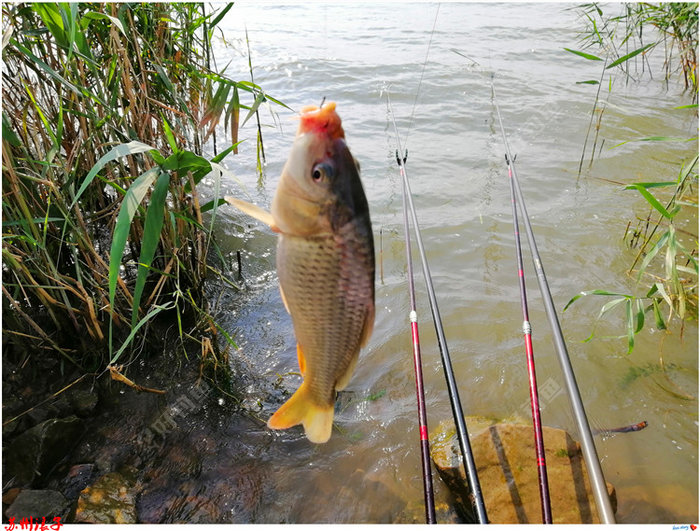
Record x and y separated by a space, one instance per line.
331 271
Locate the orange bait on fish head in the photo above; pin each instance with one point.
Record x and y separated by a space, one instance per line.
323 120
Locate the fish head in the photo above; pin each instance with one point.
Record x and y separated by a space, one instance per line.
320 189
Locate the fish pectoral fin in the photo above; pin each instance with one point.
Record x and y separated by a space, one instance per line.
284 300
253 210
301 409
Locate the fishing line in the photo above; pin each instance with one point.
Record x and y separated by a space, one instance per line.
595 472
453 392
420 80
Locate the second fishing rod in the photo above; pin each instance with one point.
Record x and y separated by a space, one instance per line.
595 472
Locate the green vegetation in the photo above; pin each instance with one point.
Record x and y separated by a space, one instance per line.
665 270
106 108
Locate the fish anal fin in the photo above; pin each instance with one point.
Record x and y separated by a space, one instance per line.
345 378
301 360
368 326
254 211
300 409
366 333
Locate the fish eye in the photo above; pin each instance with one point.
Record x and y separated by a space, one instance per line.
321 171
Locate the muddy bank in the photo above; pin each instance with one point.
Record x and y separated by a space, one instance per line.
103 452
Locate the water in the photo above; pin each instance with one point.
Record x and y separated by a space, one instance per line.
355 54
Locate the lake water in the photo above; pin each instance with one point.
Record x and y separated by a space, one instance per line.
356 54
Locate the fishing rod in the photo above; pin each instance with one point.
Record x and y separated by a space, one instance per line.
542 479
418 369
595 472
453 392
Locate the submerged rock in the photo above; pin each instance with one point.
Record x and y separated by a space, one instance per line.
83 399
110 500
505 457
37 451
38 504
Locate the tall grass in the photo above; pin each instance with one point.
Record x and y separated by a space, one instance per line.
106 108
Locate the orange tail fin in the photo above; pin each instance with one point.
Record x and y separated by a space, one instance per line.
300 409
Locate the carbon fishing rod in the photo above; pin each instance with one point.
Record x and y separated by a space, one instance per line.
453 392
595 472
418 369
542 479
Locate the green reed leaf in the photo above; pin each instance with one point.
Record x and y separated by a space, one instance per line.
220 15
150 315
151 236
651 200
639 318
660 323
259 98
585 55
94 15
636 186
630 55
130 203
130 148
630 326
169 135
651 254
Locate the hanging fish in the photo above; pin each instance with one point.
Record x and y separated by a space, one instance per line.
325 264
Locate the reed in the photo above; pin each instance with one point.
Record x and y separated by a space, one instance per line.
623 43
106 108
665 270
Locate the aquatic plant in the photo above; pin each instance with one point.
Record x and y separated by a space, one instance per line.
106 108
667 271
621 43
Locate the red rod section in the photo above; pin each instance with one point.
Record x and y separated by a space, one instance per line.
532 377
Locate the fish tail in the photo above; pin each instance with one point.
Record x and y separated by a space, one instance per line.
301 409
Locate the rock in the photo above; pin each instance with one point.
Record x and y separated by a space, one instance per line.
38 504
110 500
37 451
78 477
9 496
83 399
505 457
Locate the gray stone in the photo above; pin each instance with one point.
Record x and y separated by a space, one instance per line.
83 399
38 504
37 451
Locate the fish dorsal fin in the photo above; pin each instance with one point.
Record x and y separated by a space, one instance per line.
254 211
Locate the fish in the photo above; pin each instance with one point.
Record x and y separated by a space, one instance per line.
325 265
